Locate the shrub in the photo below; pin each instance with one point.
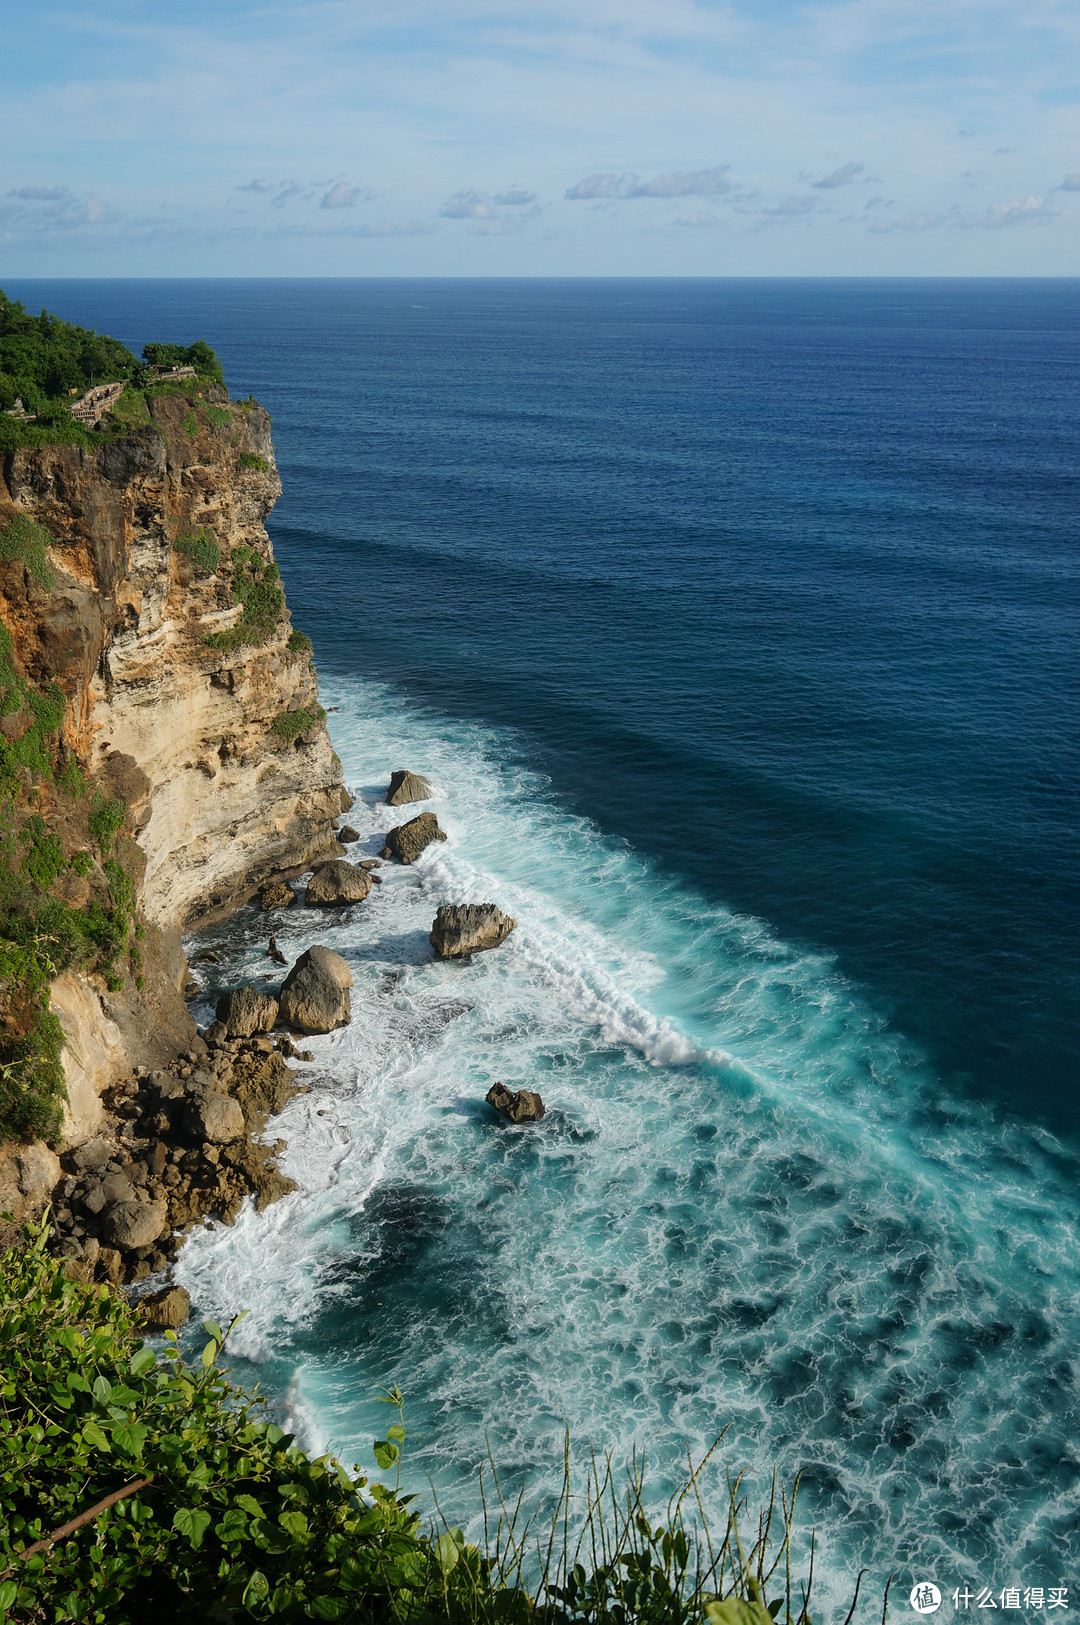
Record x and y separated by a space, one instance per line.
134 1486
291 724
201 548
218 417
255 584
249 459
24 539
105 821
299 643
190 425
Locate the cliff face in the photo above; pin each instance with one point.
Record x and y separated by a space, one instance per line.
186 695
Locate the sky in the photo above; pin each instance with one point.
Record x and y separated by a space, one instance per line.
551 138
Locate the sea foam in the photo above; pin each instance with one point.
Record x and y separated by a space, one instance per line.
751 1206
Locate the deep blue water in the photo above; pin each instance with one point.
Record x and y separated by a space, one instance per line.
778 581
736 625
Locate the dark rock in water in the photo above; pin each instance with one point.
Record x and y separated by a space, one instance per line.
406 786
134 1224
347 835
370 863
467 928
520 1106
246 1010
315 994
337 883
275 894
408 841
165 1311
274 952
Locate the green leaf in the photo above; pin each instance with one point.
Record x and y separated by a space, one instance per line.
102 1390
192 1522
396 1432
249 1504
294 1524
447 1553
736 1611
212 1329
8 1593
210 1353
130 1437
386 1453
256 1590
145 1360
94 1436
326 1607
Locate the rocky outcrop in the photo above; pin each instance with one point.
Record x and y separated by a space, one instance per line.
153 610
337 883
519 1106
276 894
315 994
407 841
165 1311
405 787
460 929
180 1145
246 1010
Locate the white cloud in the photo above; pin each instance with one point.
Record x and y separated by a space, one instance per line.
1071 183
839 177
41 194
711 182
686 183
996 217
505 225
470 205
342 196
599 186
515 197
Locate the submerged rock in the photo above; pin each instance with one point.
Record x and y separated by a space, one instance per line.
246 1010
315 994
468 928
520 1106
406 786
275 894
337 883
167 1310
407 841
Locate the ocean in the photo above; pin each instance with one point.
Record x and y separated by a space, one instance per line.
734 623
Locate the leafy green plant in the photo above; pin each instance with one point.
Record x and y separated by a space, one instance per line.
250 459
299 643
135 1486
218 417
291 724
26 540
106 820
201 548
255 585
190 425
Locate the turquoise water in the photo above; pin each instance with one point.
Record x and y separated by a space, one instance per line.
735 626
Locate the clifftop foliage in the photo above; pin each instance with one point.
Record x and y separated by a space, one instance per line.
46 362
215 1514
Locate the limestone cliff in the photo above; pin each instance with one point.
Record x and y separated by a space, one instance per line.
154 604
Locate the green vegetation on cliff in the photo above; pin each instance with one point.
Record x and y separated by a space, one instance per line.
135 1486
47 823
45 363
